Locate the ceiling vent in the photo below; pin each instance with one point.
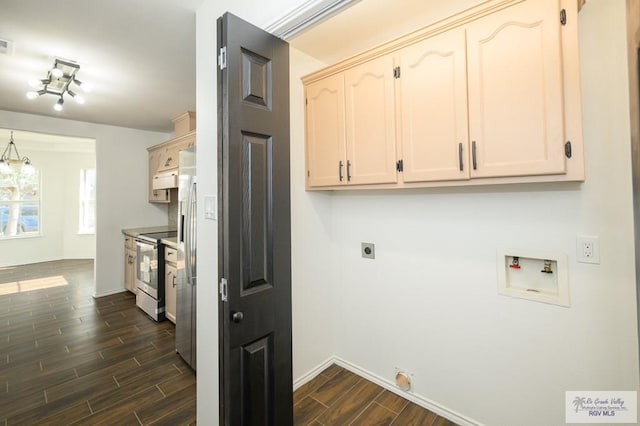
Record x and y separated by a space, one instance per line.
6 47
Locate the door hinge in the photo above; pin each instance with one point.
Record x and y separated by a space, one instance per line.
567 149
222 58
399 165
396 72
224 295
563 17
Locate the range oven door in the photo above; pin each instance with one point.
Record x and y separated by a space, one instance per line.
147 268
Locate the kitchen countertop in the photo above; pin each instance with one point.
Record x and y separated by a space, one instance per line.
170 241
134 232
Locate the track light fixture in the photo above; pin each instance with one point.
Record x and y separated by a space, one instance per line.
59 78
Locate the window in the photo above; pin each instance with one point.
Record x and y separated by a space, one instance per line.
20 202
87 214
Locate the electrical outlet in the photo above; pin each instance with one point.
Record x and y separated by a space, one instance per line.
588 249
368 250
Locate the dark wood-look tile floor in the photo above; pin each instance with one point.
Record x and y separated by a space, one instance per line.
339 397
67 358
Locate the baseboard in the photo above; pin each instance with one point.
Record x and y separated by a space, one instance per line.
391 387
313 373
109 293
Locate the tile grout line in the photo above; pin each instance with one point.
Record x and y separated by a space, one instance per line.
373 401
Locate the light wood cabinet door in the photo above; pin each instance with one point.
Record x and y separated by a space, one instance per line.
370 122
156 195
515 91
432 109
168 158
326 157
170 291
130 270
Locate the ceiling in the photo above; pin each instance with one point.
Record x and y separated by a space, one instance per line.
370 23
139 55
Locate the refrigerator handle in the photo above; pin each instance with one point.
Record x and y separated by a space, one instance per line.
192 229
188 233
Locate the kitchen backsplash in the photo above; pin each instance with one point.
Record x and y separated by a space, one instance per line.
173 210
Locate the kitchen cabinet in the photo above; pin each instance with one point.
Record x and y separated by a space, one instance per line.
130 264
170 282
351 127
156 195
490 95
326 141
432 97
370 122
516 117
163 158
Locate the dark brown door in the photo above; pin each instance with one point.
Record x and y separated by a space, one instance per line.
255 226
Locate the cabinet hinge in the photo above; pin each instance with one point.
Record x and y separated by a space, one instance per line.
224 295
563 17
222 58
396 72
399 165
308 173
567 149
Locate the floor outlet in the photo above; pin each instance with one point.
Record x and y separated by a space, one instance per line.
588 249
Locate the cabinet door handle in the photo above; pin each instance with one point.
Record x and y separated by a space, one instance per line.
174 281
460 156
340 170
473 154
348 171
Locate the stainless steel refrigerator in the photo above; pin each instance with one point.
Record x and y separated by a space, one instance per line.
186 289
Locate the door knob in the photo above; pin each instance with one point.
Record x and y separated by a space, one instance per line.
237 317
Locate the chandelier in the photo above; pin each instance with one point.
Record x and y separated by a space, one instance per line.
58 83
6 160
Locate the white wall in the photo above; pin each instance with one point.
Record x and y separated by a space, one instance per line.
76 246
313 274
428 302
121 167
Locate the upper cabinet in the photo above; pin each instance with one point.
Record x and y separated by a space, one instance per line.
326 143
432 113
491 95
163 158
516 112
370 124
351 127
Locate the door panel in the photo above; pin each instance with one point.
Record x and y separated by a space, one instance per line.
370 122
516 111
257 257
255 227
325 132
433 109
